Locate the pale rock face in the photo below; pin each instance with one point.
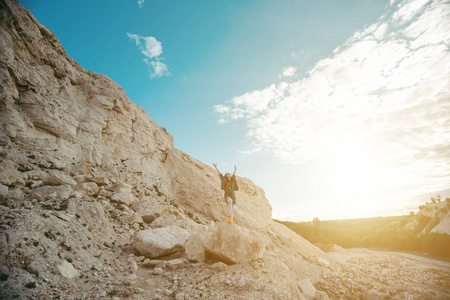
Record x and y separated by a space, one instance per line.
100 180
67 270
37 175
149 212
195 251
375 295
126 198
121 187
321 295
323 262
56 177
9 175
88 188
444 224
161 241
48 192
15 194
164 221
135 218
235 244
307 289
3 190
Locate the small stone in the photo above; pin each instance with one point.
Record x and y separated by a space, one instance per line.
321 295
126 198
219 266
158 271
89 188
133 266
167 292
180 296
175 263
242 281
67 270
132 277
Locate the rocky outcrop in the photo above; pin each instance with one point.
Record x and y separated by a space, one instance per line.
235 244
161 241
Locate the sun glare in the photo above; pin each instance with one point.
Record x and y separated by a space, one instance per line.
354 178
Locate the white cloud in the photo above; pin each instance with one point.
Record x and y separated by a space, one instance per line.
220 108
159 69
148 45
152 49
288 72
385 93
141 3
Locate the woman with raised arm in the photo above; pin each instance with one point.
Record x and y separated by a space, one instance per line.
229 185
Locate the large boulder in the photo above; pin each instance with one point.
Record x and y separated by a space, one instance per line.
163 241
235 244
195 251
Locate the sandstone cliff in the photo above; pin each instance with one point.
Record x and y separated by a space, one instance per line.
88 179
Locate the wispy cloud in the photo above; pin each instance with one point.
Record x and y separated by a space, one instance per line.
141 3
288 72
152 49
385 93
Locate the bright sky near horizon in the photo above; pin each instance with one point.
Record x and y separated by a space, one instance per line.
337 109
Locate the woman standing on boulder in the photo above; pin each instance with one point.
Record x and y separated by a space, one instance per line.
229 185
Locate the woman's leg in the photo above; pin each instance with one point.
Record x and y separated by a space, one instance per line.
230 207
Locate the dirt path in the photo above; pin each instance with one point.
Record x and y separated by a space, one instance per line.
427 262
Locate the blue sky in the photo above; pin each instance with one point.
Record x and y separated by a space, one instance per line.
308 98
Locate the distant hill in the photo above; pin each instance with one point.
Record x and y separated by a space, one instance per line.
433 216
428 230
